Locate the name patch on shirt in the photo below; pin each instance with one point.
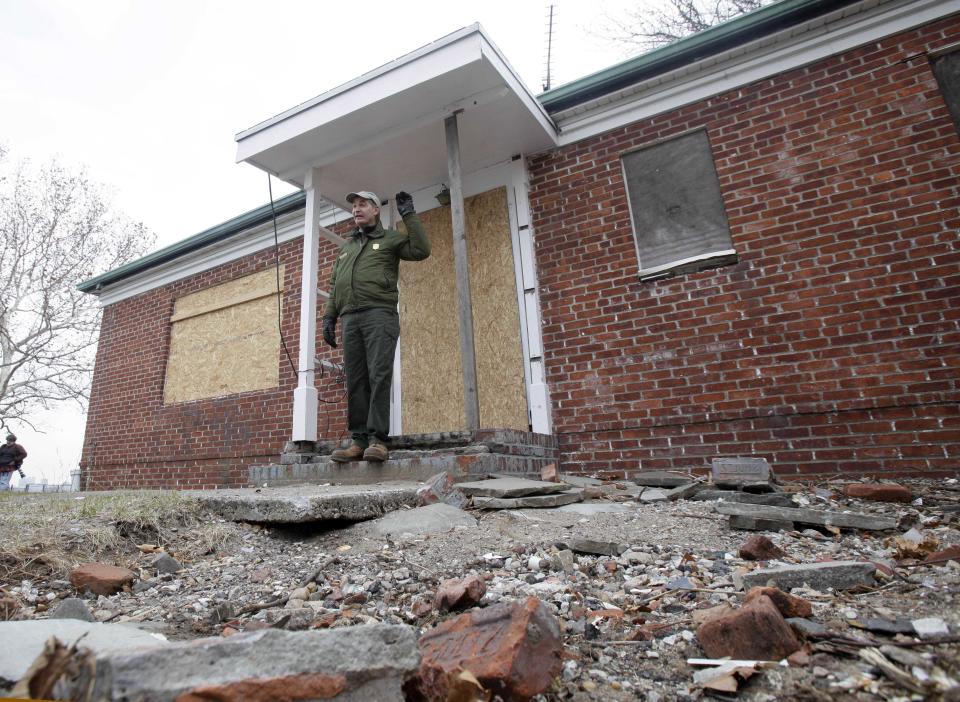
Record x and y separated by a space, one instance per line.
376 246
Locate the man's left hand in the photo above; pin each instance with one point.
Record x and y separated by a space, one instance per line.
404 203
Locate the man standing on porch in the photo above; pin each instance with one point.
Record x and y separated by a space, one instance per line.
363 291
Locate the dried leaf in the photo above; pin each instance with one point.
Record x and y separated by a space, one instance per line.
463 686
149 548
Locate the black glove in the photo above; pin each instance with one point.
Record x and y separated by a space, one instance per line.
330 331
404 204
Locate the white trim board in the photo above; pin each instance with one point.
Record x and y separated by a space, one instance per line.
787 50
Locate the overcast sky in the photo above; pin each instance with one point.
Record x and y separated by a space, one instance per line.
148 96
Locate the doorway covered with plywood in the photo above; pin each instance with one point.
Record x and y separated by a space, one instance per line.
430 364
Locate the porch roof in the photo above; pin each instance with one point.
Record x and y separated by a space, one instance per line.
384 130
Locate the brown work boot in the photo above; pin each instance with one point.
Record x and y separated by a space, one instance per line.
354 452
377 453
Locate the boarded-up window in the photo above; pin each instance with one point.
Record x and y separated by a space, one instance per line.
947 70
678 218
224 340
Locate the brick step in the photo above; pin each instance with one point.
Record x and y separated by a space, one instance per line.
403 465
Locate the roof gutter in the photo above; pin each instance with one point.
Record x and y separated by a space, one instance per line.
261 215
722 37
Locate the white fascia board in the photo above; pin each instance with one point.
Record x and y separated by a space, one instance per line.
460 49
499 62
243 244
787 50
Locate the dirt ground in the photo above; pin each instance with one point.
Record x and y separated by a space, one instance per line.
627 620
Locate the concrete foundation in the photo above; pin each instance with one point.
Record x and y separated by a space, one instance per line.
415 457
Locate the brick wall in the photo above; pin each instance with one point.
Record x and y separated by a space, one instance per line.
134 440
833 346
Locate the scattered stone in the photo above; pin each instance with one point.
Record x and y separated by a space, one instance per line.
549 473
838 575
648 495
745 523
456 594
659 478
683 492
355 664
773 499
809 628
755 631
530 501
808 516
510 487
30 637
680 584
512 649
760 548
879 492
930 627
164 563
564 560
73 608
879 625
431 519
100 578
738 471
600 548
592 508
788 605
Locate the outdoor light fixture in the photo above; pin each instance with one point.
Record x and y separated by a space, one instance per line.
443 197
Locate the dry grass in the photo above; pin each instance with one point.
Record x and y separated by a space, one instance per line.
45 535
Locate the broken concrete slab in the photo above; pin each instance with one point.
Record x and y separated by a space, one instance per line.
530 501
581 481
661 478
836 575
742 522
431 519
353 664
773 499
683 492
652 495
740 470
847 520
590 508
510 487
30 637
599 548
310 503
513 650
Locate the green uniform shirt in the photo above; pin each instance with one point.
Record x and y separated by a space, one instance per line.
368 266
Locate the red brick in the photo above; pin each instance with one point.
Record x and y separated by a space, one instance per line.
878 492
756 631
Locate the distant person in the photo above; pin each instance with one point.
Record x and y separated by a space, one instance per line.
364 294
11 458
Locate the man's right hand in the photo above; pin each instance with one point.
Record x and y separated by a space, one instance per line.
330 331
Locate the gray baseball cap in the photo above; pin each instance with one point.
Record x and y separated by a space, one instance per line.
366 195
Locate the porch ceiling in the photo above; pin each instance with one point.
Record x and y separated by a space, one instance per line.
384 129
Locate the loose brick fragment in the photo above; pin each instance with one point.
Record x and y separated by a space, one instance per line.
760 548
100 578
289 688
459 594
756 631
788 605
513 649
879 492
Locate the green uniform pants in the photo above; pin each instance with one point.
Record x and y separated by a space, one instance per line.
369 343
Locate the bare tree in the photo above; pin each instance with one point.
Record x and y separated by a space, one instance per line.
56 229
662 22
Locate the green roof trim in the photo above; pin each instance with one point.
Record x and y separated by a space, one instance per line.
721 37
253 218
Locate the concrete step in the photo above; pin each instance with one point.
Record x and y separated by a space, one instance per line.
403 465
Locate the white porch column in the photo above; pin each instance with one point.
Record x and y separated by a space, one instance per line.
471 400
305 396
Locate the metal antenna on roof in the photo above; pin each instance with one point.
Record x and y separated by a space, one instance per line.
548 69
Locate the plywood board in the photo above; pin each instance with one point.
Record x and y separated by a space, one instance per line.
432 395
218 349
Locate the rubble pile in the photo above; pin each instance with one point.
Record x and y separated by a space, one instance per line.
647 590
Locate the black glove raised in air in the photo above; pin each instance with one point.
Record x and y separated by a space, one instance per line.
404 203
330 331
